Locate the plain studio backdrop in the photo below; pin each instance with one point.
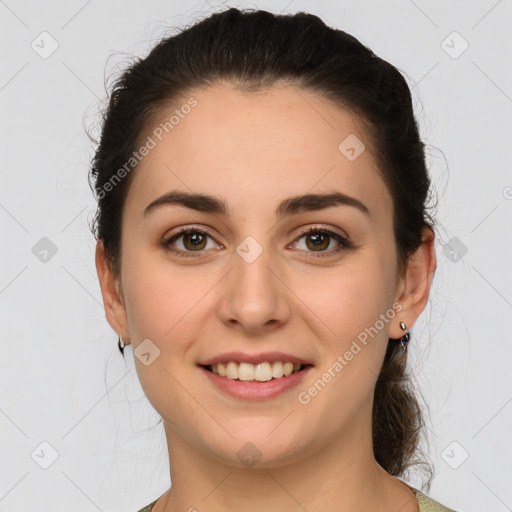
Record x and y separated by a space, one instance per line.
76 430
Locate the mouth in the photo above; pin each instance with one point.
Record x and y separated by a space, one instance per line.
260 372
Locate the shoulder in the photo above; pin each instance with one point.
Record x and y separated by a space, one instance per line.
427 504
148 508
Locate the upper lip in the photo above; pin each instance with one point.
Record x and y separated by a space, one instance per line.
242 357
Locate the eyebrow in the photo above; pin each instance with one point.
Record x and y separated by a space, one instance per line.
291 206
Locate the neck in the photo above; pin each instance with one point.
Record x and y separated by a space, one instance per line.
342 475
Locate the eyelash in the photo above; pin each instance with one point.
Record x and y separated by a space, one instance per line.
343 242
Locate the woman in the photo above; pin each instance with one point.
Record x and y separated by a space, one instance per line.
264 244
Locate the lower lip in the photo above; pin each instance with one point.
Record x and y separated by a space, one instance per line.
253 390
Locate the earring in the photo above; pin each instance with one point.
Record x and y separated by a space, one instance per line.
404 340
121 344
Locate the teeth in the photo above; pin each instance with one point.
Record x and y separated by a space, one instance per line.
277 370
261 372
232 370
246 371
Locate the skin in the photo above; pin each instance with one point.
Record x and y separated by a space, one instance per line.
254 150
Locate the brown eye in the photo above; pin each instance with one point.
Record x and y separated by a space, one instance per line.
188 240
318 240
194 241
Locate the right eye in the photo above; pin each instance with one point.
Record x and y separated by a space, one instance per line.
193 240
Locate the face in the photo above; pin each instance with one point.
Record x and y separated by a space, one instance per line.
250 285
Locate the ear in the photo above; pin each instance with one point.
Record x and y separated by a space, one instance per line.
111 292
414 287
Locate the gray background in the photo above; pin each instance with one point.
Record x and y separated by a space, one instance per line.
63 382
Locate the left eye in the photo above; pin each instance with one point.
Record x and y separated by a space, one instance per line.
319 240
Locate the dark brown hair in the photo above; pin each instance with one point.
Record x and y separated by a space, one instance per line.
254 50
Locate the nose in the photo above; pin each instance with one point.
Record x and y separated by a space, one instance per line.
254 296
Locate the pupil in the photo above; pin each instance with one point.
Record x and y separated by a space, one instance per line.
318 239
195 239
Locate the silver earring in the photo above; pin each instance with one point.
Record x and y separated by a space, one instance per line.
404 340
121 344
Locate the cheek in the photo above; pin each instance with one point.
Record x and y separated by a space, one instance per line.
355 306
153 299
352 297
161 299
357 310
161 303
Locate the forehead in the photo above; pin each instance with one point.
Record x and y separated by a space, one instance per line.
255 148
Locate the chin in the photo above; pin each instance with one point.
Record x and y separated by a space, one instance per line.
259 445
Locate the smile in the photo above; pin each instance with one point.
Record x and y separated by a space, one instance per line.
261 372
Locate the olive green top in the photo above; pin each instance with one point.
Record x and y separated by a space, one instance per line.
425 503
